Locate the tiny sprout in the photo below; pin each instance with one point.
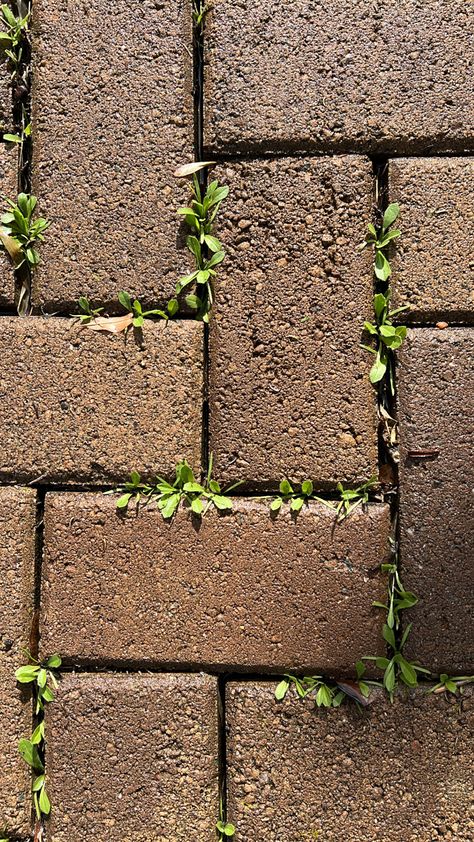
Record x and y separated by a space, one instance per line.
389 338
379 238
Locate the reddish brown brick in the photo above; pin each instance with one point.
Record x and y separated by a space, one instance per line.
400 772
6 102
433 265
9 188
339 76
133 757
436 407
112 118
17 558
240 591
80 406
289 390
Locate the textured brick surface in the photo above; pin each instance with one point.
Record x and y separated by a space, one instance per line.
80 406
400 772
17 557
112 118
9 188
6 102
433 264
289 390
133 758
239 591
339 76
436 408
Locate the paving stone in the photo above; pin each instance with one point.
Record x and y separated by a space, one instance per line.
289 389
112 118
341 76
6 94
235 592
79 406
133 757
9 188
433 262
17 560
400 772
436 408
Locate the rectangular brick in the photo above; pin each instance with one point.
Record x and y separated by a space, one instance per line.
340 76
80 406
17 560
6 93
112 119
133 757
436 410
242 591
289 389
8 188
433 262
400 772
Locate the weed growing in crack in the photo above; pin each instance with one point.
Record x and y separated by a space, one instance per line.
452 684
350 498
14 34
134 317
206 249
379 238
199 13
43 677
19 236
185 490
328 694
225 829
389 339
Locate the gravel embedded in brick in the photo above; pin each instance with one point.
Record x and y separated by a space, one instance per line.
341 76
433 261
17 560
235 592
289 389
8 188
133 757
436 407
79 406
400 772
112 119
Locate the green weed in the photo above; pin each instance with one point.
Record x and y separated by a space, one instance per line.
20 233
452 683
326 694
14 35
389 339
349 498
379 238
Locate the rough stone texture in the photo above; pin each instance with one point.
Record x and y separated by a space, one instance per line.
112 118
289 390
17 558
400 772
241 591
6 103
436 408
80 406
433 261
9 188
344 76
133 757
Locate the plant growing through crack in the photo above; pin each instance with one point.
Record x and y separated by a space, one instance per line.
185 490
452 684
20 235
43 677
134 317
206 249
325 693
350 498
199 13
15 33
225 829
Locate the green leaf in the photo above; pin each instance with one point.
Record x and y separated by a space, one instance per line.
297 504
38 783
276 504
172 306
193 488
229 829
389 636
380 302
194 247
216 258
193 302
282 689
38 734
11 138
382 663
377 372
307 487
197 506
324 697
212 243
382 267
123 501
389 679
221 502
27 674
285 487
169 508
391 214
408 673
44 802
29 753
125 300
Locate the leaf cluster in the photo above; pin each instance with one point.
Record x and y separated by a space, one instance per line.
225 830
378 238
349 498
206 249
196 496
44 678
20 232
14 35
326 694
135 314
200 11
452 683
388 338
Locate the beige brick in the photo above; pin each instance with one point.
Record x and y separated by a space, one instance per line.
236 592
17 559
112 118
80 406
436 408
341 76
400 772
133 757
289 389
433 262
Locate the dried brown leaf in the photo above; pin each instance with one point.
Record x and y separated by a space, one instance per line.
190 169
351 688
12 248
112 324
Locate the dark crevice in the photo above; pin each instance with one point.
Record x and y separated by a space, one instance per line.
39 546
222 748
251 150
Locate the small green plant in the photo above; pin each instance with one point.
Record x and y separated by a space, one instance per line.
44 677
14 35
18 139
135 314
326 694
396 668
379 238
296 499
88 313
452 683
200 11
389 339
206 249
349 498
196 496
20 232
139 315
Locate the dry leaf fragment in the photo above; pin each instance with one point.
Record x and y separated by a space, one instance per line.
12 248
351 688
189 169
112 324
